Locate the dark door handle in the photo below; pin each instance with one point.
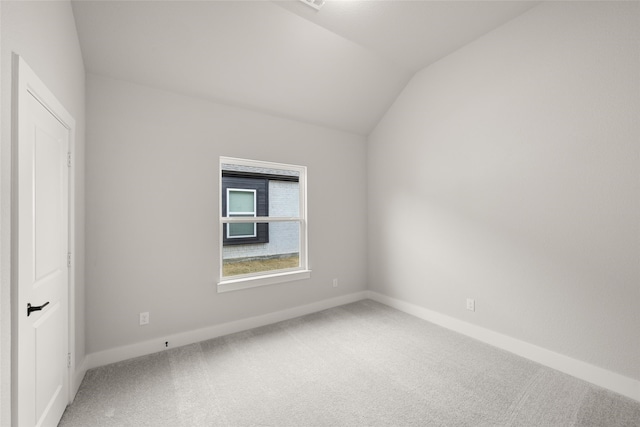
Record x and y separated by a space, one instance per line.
37 308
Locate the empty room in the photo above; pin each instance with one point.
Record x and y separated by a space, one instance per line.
319 213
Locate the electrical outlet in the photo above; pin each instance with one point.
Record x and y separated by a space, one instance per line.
144 318
471 304
335 283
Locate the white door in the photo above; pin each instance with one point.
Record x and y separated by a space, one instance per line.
43 276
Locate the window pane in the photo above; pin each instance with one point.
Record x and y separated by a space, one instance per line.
282 251
284 198
242 230
241 201
276 252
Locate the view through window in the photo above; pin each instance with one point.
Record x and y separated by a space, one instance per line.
262 223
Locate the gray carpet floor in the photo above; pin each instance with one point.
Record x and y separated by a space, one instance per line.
361 364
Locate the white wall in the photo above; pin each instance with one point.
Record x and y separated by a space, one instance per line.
152 211
508 172
44 34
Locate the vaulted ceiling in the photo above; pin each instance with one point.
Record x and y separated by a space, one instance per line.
341 66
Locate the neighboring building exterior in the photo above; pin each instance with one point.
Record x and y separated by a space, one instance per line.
259 192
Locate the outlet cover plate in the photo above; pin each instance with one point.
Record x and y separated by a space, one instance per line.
471 304
144 318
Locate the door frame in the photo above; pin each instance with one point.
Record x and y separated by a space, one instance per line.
24 82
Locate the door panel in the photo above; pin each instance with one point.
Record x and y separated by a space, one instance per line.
43 275
48 209
49 382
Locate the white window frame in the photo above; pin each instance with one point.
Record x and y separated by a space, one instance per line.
242 214
244 281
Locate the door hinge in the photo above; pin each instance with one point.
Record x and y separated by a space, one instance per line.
69 159
68 360
69 259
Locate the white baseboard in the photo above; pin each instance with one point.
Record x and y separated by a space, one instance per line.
144 348
601 377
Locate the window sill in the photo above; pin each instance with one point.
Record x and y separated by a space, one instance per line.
228 285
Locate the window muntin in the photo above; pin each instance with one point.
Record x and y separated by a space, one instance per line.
278 207
241 202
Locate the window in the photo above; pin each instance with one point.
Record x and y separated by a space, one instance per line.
263 225
241 202
244 194
263 182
